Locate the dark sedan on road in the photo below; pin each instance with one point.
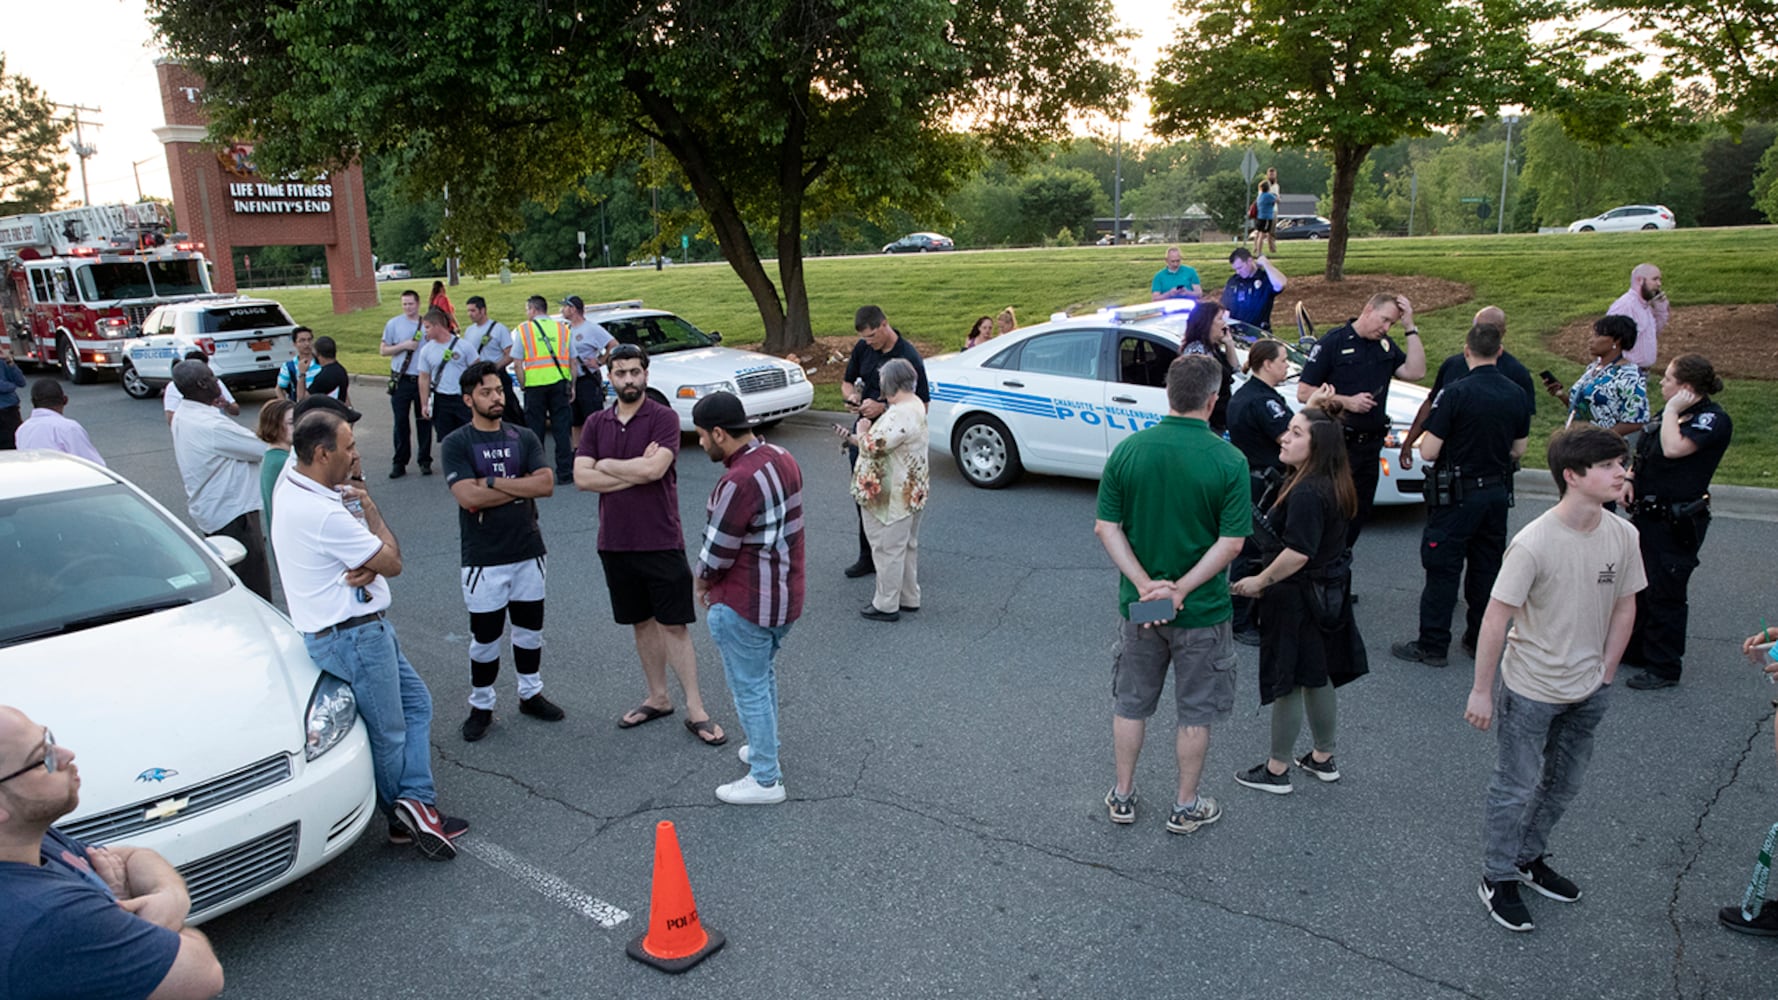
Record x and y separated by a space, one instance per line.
920 243
1301 227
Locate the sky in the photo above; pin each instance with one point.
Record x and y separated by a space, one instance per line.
110 66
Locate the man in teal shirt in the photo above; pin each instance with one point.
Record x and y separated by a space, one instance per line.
1174 507
1175 281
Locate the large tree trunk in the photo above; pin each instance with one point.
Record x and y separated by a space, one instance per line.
1346 161
796 332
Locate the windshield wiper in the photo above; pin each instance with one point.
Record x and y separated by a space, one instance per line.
102 618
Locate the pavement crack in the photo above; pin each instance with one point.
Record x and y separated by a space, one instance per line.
1696 848
530 789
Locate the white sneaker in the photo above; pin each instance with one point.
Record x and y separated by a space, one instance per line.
745 753
747 792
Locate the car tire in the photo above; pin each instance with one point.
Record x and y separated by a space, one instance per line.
1315 236
1586 229
134 385
70 359
986 453
1650 226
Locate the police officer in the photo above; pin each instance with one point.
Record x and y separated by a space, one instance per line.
1478 428
1258 416
1669 500
1250 291
1455 367
1358 360
541 354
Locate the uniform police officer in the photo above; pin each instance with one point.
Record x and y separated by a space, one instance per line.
1258 416
1478 428
1358 360
1454 368
1669 501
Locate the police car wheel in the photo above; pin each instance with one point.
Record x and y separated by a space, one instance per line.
986 453
133 384
71 365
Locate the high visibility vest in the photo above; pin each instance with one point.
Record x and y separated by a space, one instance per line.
545 361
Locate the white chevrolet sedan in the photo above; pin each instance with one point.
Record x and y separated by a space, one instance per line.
201 727
685 364
1056 398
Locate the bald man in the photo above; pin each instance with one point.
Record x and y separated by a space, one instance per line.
79 921
1454 368
1646 303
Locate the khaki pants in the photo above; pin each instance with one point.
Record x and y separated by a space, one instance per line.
895 550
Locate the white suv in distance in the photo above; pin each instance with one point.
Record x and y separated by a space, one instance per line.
246 339
1626 218
685 364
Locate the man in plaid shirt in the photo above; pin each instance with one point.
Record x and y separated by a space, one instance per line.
750 577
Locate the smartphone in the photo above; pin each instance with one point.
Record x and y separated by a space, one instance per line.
1152 612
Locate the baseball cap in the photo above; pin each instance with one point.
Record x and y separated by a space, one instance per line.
573 300
720 409
324 402
1241 253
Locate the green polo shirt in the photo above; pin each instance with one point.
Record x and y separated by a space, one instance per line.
1176 488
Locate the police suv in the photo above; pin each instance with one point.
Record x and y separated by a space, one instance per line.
685 364
246 339
1056 398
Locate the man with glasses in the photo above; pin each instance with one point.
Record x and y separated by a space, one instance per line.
78 920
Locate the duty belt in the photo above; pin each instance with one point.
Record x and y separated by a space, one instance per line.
1481 482
1354 436
349 624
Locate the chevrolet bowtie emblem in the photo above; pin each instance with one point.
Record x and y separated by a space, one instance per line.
165 809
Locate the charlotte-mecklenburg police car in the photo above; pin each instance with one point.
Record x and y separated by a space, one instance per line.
685 364
246 339
1056 398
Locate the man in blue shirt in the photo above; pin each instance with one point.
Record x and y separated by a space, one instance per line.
11 381
1175 281
1248 295
79 921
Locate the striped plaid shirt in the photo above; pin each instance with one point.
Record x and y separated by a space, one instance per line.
753 546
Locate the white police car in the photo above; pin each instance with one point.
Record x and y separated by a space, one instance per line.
685 364
1056 398
200 726
246 339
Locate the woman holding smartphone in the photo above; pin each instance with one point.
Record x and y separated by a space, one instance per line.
1308 641
1612 392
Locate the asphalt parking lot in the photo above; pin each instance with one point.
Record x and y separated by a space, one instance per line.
945 834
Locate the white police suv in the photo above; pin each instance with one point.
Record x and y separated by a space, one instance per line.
1056 398
246 339
685 364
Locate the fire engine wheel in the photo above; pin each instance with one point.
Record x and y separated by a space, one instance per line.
133 383
70 359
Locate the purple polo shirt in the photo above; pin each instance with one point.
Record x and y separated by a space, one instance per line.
641 518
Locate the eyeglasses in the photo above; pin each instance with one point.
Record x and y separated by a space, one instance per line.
48 763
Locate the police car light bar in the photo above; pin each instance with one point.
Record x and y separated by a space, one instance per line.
1134 313
608 306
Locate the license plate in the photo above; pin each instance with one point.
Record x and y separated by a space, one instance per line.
259 345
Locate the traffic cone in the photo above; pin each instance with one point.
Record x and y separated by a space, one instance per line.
676 939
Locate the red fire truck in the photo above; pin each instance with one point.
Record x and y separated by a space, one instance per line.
74 284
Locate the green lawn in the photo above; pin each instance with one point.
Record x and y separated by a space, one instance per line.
1542 282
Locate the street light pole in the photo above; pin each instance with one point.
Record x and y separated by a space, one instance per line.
1506 160
1117 191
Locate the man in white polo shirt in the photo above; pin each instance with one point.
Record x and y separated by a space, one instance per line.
219 461
335 565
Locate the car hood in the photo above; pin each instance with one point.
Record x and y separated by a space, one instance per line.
169 699
714 363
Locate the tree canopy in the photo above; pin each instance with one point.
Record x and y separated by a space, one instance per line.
774 111
32 173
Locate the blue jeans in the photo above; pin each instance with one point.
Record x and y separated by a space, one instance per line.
1544 750
747 653
392 701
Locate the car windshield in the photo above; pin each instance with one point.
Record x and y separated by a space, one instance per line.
659 334
233 319
178 277
90 557
122 280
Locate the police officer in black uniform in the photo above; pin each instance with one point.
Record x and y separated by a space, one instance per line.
1454 368
1358 360
1669 501
1258 416
1477 430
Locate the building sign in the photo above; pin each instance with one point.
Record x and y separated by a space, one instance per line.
260 198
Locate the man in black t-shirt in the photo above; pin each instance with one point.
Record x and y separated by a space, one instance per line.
1455 368
496 472
332 378
877 344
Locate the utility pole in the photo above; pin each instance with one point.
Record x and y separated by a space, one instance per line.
1506 160
136 168
451 255
654 192
83 149
1117 190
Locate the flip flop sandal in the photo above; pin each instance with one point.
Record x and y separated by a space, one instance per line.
649 714
703 731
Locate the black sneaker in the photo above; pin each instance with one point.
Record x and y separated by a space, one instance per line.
1648 680
1413 652
427 826
397 472
863 567
425 468
1764 923
1122 808
476 726
1247 636
1262 779
1323 769
453 828
1540 876
1504 905
539 707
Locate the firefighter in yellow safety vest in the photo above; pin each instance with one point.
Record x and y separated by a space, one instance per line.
540 357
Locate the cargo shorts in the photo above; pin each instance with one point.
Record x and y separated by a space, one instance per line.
1203 661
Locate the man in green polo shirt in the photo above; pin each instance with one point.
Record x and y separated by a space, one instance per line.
1174 507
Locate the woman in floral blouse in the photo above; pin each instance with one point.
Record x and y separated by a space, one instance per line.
1612 392
890 483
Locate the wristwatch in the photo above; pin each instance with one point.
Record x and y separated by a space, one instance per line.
1411 333
490 482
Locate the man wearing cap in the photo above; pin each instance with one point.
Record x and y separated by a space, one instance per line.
219 461
335 563
492 342
441 362
496 473
1248 294
541 347
401 339
750 578
48 428
588 346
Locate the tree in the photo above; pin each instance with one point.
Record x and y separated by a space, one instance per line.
32 172
774 110
1052 199
1730 45
1348 76
1729 166
1225 200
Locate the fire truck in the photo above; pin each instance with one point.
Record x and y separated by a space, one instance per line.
75 284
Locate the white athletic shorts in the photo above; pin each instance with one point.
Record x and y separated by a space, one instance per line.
491 588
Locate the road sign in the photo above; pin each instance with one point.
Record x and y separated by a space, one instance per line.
583 237
1249 166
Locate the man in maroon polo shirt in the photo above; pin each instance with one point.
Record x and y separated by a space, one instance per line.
627 455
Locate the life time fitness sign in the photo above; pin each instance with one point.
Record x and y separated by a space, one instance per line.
259 198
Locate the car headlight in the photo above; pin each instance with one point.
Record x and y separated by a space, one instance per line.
1392 439
797 374
332 710
700 391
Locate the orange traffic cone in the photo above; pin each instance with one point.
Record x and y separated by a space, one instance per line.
676 939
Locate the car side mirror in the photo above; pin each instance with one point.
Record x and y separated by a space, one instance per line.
229 550
716 335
